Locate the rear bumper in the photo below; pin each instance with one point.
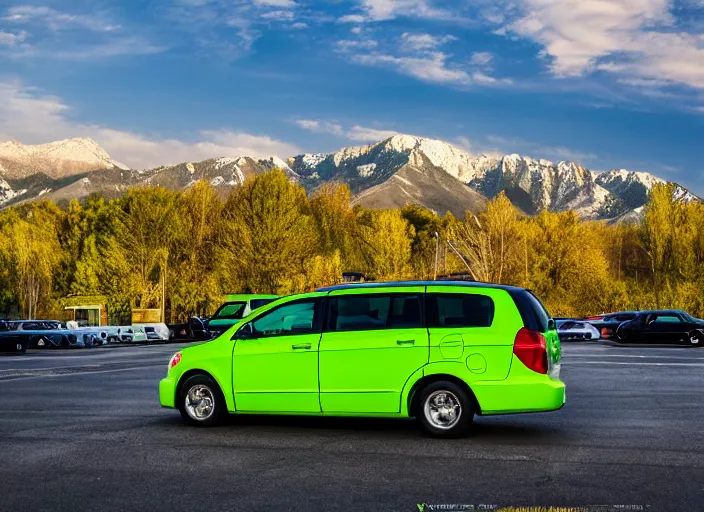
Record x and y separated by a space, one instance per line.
513 396
167 392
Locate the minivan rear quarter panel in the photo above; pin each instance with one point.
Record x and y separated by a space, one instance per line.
483 353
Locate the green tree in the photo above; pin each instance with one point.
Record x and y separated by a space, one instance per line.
267 235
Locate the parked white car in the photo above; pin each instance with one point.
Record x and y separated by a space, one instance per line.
141 333
576 330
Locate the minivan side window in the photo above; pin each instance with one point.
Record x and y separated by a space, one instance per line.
288 319
459 310
359 312
373 312
405 312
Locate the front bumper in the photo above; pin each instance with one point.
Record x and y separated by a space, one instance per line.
167 392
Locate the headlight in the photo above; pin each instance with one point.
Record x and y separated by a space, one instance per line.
175 359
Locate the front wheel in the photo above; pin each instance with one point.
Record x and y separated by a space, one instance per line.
696 338
445 409
201 403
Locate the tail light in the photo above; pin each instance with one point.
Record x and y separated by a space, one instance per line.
595 317
175 359
530 347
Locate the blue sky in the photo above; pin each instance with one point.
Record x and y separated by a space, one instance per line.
608 83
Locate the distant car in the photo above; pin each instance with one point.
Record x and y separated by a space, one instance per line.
576 330
144 333
236 308
49 334
11 341
662 327
608 323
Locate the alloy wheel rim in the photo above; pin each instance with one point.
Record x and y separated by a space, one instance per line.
200 402
442 409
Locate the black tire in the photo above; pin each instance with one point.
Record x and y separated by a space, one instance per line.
621 335
454 396
696 334
206 387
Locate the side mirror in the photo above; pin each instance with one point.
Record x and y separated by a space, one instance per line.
244 332
551 325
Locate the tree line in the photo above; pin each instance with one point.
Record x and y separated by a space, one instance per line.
188 249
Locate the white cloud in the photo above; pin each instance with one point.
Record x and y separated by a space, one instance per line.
278 15
481 59
12 39
32 118
356 133
632 38
316 126
347 44
352 18
299 25
275 3
363 134
419 56
432 67
424 41
380 10
59 35
57 20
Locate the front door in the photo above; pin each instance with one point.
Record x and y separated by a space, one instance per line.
667 328
275 368
373 343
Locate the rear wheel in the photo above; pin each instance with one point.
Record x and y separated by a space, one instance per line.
621 334
445 409
200 402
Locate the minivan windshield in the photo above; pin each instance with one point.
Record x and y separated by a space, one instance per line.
230 311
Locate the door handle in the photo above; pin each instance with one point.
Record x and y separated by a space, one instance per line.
302 346
405 342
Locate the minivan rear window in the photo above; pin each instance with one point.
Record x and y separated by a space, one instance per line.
535 316
459 310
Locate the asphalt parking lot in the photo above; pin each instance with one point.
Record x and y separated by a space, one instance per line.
83 431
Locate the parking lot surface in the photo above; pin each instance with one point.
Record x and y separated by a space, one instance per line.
83 431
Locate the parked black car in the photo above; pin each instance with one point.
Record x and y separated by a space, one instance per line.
11 341
194 330
662 327
608 323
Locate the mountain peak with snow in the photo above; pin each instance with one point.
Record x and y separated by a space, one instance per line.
55 159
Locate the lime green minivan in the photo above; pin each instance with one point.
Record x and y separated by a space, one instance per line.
437 351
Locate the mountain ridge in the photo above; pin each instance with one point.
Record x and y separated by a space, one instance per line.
389 173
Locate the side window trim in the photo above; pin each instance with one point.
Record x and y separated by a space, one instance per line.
317 313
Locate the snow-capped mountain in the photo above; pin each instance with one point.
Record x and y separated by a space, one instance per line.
390 173
55 159
533 185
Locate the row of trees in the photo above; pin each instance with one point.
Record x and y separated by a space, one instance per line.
188 249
